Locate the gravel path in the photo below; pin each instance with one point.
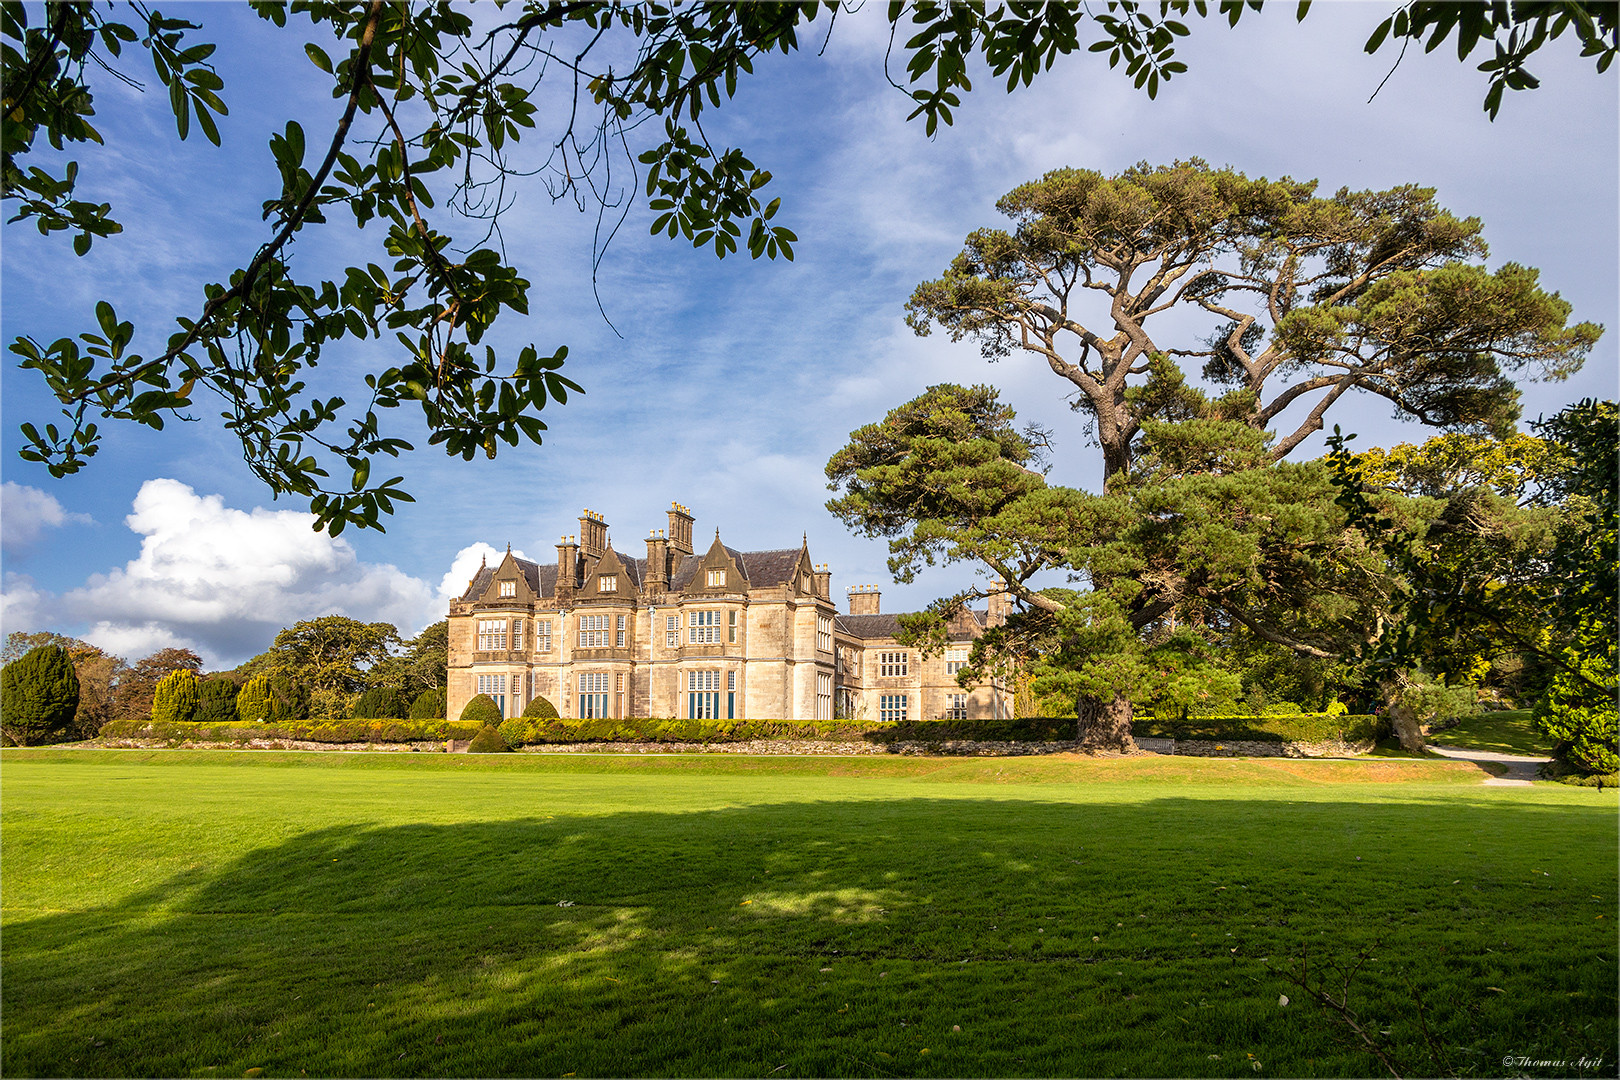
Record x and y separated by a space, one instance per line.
1521 770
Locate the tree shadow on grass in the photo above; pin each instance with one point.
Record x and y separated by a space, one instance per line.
839 938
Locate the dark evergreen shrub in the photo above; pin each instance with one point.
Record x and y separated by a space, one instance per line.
380 703
216 702
488 740
482 710
540 709
429 705
39 693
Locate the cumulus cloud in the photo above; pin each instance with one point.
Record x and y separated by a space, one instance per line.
28 512
223 581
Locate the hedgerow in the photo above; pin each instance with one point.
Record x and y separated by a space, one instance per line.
1299 727
321 731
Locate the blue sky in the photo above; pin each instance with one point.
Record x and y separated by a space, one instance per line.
728 384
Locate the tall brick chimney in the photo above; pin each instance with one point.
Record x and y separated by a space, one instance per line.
863 600
1001 603
823 575
567 569
657 564
593 529
680 528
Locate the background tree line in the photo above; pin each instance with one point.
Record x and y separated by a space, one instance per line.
332 667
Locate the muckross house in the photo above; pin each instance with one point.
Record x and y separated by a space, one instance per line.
725 634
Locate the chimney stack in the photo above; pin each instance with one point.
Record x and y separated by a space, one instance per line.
567 569
657 564
680 528
592 534
1000 603
823 581
863 600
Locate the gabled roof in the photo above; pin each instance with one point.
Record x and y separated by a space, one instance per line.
542 580
686 570
771 567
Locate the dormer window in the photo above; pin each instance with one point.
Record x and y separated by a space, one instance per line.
607 583
717 579
508 588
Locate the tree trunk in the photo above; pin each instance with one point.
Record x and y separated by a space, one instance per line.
1401 715
1104 726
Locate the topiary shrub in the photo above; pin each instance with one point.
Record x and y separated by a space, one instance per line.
39 693
488 740
429 705
482 710
380 703
540 709
175 698
216 701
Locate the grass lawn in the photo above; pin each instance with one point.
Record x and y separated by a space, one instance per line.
1510 732
207 913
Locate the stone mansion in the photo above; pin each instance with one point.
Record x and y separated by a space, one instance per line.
723 635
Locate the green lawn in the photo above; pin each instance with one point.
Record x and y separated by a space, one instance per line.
207 913
1511 732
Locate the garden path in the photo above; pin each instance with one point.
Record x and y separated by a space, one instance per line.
1520 769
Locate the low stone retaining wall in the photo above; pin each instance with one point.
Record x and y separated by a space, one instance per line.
1253 748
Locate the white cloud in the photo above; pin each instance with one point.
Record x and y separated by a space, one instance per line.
26 512
223 581
22 605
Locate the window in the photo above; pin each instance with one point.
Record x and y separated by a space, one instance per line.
717 579
491 636
893 664
495 687
672 631
731 695
618 626
517 634
607 583
731 627
823 633
593 692
508 588
542 635
703 627
702 695
593 631
955 660
824 696
892 708
956 707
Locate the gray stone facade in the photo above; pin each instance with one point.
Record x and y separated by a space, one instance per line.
718 635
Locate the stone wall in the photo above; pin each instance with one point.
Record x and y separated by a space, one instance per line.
1253 748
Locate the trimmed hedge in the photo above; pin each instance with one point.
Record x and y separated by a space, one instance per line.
528 731
1299 727
322 731
519 731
